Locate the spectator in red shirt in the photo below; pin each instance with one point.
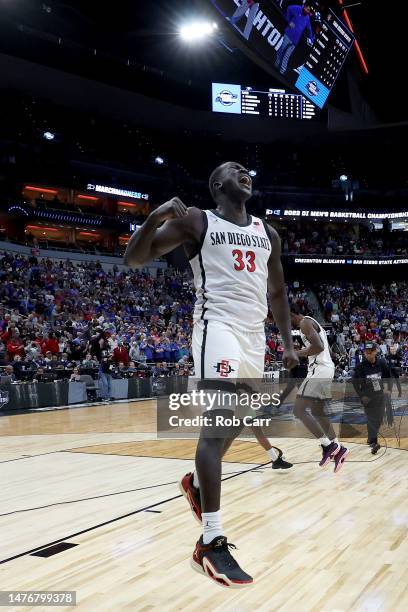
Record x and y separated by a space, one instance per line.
50 344
120 353
271 344
15 346
362 332
370 336
8 331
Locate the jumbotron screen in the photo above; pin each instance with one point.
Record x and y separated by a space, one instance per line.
274 103
302 43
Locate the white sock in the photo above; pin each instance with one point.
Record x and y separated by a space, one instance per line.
273 455
196 482
211 526
324 441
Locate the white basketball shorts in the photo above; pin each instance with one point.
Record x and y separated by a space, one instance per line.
318 383
224 352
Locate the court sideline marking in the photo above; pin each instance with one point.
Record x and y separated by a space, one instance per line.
118 518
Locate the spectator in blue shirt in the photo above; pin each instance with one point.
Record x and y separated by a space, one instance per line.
148 347
159 352
167 349
174 350
298 18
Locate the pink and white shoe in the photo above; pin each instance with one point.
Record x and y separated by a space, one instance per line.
329 452
340 458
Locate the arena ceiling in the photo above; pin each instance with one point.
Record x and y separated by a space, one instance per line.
144 35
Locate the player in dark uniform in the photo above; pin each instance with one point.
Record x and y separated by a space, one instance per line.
235 259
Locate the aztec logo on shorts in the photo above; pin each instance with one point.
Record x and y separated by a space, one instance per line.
223 368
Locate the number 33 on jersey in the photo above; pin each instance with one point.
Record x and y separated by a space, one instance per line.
231 272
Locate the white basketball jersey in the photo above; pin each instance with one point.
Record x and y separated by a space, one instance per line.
231 273
324 357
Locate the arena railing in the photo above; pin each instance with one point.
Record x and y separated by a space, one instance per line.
72 254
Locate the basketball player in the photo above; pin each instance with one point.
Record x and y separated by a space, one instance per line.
277 462
298 18
235 259
316 388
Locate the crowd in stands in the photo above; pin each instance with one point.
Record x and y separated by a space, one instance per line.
60 320
362 312
323 239
55 317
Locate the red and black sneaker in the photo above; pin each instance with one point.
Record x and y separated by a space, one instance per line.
215 561
192 495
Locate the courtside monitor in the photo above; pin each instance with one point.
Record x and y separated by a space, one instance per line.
305 45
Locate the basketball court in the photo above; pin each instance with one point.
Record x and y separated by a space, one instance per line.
90 503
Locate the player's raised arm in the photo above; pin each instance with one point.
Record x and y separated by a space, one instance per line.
279 300
166 228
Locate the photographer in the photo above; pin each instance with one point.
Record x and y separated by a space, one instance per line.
368 381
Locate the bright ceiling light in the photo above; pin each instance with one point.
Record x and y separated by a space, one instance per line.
344 178
252 173
49 136
197 31
159 161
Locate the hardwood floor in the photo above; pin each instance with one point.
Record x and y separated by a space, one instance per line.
97 477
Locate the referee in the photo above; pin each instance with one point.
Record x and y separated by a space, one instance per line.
368 381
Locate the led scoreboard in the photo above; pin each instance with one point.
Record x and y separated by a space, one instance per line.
304 45
319 73
275 103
